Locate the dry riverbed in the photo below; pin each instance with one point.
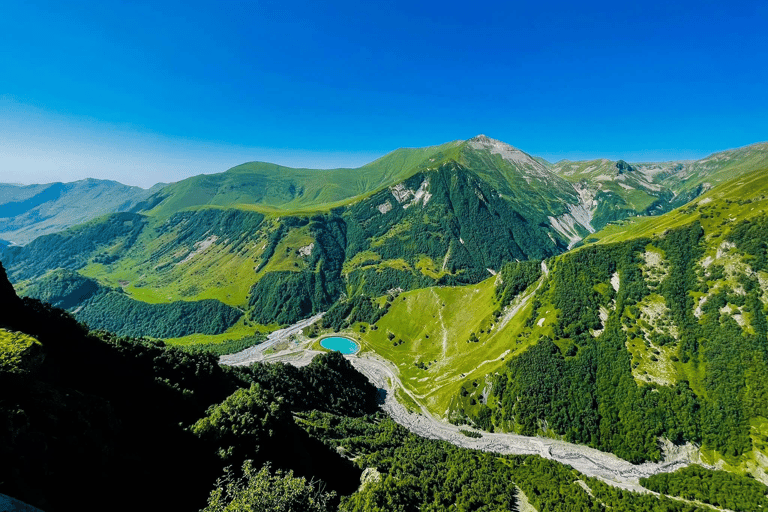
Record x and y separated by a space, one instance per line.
384 376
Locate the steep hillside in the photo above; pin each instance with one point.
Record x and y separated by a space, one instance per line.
611 191
662 334
281 244
74 435
27 212
273 187
443 225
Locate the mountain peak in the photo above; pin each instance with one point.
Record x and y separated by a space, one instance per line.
487 142
508 152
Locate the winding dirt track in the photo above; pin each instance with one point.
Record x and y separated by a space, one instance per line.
589 461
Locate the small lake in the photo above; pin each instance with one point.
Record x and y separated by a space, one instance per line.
343 345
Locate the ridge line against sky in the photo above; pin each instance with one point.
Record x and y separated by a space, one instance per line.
148 92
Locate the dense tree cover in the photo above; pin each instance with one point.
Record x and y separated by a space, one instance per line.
719 488
247 418
423 474
71 249
63 289
226 347
286 297
98 416
751 238
263 490
328 383
114 311
101 416
590 395
515 278
359 308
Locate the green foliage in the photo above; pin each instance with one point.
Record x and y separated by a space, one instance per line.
225 347
71 249
248 416
360 308
116 312
719 488
750 237
327 383
263 490
515 278
286 297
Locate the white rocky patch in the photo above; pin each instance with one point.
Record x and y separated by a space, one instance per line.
724 248
384 208
580 214
200 247
307 249
403 194
603 318
615 282
704 201
420 194
400 192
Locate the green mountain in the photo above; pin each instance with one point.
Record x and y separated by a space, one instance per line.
27 212
87 417
612 304
611 191
279 244
656 331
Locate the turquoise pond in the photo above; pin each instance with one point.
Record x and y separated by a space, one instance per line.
343 345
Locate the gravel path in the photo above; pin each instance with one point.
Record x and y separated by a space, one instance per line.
256 353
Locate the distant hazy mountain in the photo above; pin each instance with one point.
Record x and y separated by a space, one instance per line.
27 212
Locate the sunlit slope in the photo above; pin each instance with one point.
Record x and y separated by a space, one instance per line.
614 190
287 189
738 199
661 333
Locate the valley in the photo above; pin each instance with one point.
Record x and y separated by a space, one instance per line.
605 315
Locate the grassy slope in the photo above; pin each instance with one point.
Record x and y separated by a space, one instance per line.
435 325
738 199
282 189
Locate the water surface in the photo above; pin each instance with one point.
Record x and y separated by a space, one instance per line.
343 345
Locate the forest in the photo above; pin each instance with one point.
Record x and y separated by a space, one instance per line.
581 385
90 416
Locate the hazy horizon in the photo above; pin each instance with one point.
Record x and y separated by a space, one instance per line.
143 93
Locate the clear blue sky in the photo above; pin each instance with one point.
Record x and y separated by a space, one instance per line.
144 92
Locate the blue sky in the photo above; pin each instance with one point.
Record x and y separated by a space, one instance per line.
146 92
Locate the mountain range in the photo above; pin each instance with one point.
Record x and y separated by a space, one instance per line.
608 303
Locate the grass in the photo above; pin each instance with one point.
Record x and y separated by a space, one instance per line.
727 204
242 329
431 346
13 347
272 188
